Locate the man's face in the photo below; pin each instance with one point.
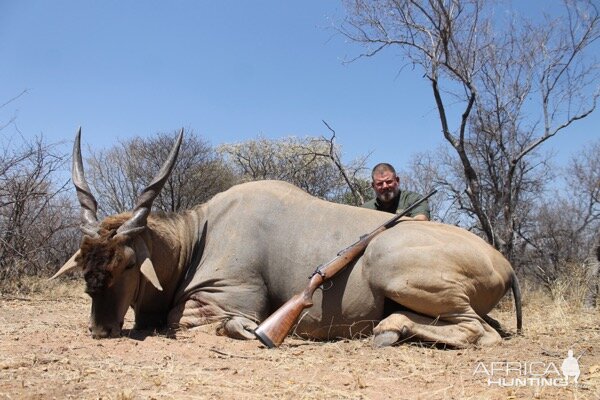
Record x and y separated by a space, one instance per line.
385 185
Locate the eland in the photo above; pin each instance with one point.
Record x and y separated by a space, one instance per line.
238 257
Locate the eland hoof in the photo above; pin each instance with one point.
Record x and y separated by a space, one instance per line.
385 339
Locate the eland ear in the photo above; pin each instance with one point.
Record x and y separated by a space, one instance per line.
146 268
68 266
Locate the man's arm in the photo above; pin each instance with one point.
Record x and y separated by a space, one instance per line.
421 213
418 217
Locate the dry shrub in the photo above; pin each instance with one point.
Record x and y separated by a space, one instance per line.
567 291
551 309
41 287
547 306
571 286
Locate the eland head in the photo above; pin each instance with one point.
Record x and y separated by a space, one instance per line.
114 253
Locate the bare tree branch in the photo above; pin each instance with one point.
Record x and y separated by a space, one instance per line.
515 82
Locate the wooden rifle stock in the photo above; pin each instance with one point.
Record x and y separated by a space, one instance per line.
272 331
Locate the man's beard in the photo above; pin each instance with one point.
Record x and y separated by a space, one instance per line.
388 196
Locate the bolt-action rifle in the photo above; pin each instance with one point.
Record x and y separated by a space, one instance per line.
274 329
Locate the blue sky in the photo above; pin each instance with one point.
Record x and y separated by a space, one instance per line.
229 70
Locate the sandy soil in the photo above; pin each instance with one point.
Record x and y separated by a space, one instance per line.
46 353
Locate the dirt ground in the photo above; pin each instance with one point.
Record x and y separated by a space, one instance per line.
46 353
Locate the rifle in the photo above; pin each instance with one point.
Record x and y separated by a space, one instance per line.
272 331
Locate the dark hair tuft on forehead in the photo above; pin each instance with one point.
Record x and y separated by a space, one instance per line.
99 256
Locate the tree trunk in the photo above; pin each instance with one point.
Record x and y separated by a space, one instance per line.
593 276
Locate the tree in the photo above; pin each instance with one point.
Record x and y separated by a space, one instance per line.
593 276
34 214
501 88
118 174
422 176
567 224
313 164
582 178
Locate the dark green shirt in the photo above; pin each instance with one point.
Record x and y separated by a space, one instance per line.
404 199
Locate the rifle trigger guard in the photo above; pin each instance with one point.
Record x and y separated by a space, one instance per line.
318 271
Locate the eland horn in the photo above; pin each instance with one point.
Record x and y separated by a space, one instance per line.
89 205
138 220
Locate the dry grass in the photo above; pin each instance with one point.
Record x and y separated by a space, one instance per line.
46 353
27 286
572 286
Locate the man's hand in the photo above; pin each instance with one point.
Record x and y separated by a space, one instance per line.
418 217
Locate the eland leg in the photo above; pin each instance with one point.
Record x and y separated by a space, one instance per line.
238 328
457 330
192 314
